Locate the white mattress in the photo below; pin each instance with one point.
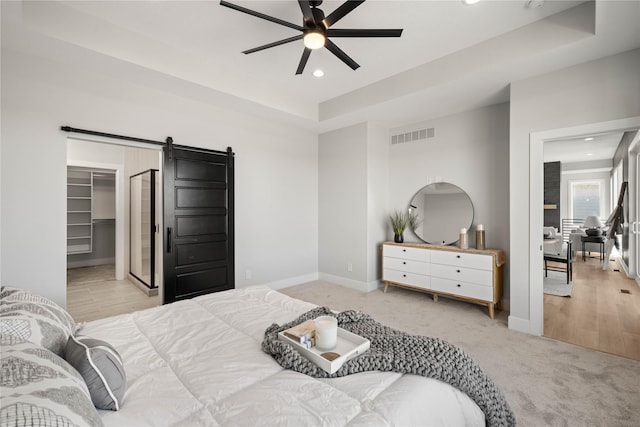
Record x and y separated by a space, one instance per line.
199 362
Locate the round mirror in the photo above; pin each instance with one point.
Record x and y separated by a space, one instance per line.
443 209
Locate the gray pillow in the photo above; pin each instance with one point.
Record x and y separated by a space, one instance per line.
101 367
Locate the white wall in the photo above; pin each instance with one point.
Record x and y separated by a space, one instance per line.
343 226
604 90
377 198
276 169
353 176
470 150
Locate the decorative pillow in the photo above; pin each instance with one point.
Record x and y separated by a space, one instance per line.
101 367
41 389
25 316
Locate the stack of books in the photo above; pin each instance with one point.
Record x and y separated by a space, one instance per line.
303 333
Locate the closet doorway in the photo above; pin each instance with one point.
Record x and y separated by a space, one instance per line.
99 283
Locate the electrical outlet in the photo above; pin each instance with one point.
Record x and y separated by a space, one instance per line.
349 267
247 274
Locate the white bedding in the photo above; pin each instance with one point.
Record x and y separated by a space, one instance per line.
199 362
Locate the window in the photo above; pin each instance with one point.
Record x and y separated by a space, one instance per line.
585 199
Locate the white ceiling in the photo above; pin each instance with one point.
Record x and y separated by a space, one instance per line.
450 58
585 148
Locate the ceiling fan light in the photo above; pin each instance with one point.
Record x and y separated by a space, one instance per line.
314 40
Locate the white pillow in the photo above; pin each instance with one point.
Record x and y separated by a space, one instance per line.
40 389
25 316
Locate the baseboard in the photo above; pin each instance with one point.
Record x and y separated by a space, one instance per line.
625 267
350 283
142 286
90 262
292 281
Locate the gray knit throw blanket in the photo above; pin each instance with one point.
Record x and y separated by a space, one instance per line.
397 351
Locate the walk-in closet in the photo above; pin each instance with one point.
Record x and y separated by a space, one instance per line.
91 217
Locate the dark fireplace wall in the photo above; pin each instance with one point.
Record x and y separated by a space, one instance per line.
552 194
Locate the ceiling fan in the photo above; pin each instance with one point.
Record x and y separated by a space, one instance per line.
316 29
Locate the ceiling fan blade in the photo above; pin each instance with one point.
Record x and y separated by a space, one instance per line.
341 55
306 13
274 44
303 60
339 32
341 11
260 15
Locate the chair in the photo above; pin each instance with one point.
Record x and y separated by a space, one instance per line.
563 257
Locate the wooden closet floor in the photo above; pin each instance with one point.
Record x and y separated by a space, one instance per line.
96 299
597 315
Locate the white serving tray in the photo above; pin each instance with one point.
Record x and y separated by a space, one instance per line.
348 346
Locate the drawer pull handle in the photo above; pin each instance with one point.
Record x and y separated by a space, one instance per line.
404 262
404 250
404 275
457 271
459 285
457 256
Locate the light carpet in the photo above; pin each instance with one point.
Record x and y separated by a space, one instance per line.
546 382
556 284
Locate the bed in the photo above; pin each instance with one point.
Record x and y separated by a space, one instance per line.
199 362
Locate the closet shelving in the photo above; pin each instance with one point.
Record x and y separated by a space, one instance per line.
79 211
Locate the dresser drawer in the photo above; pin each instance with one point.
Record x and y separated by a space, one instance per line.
406 252
471 275
463 289
406 265
406 278
462 259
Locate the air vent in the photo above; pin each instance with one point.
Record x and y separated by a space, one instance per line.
625 291
415 135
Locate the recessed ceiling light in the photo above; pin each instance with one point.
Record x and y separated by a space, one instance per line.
470 1
588 139
589 154
318 73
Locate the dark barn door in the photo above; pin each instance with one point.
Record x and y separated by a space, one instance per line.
198 220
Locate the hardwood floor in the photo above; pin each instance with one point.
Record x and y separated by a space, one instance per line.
93 294
597 315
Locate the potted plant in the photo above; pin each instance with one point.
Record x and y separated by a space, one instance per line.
400 221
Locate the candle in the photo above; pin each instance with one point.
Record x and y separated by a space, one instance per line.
326 332
480 237
463 241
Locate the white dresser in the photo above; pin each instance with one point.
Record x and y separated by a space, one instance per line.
470 274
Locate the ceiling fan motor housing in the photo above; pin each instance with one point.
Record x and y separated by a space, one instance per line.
318 16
